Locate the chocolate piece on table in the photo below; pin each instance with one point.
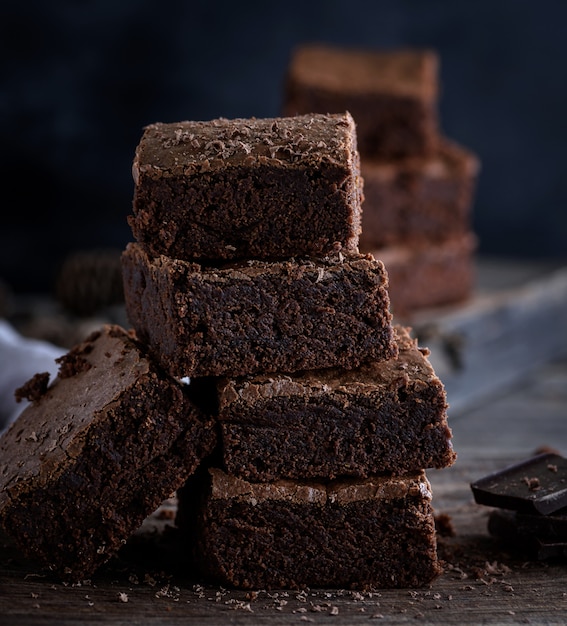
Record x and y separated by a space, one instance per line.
550 527
377 532
96 452
418 200
392 95
383 417
259 316
248 188
535 485
515 529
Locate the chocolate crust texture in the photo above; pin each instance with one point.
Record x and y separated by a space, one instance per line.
383 417
258 316
248 188
378 532
392 95
96 453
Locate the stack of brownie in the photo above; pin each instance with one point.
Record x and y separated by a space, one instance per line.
418 185
245 278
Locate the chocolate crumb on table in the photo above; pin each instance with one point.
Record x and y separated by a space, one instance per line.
444 525
259 316
376 532
248 188
392 95
88 460
383 417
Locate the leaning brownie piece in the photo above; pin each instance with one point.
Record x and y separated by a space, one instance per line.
384 417
95 453
248 188
392 95
418 200
259 316
377 532
429 275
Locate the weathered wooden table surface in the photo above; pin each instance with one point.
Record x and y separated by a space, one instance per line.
482 583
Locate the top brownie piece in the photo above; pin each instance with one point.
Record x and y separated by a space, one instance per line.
248 188
392 95
96 452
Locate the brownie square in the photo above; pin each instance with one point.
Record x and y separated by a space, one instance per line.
383 417
429 275
392 95
96 452
248 188
376 532
418 200
258 316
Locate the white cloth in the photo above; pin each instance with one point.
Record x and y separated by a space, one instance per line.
20 359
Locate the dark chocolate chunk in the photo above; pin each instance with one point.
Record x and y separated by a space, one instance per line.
536 485
551 527
532 534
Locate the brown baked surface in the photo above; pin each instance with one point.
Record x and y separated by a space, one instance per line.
385 417
377 532
95 453
430 275
248 188
417 200
392 95
259 317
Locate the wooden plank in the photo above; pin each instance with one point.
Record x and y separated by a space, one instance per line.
481 583
499 337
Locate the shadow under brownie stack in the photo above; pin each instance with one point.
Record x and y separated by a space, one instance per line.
246 278
299 443
418 185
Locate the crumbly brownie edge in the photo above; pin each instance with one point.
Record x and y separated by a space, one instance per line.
382 417
130 456
267 537
284 316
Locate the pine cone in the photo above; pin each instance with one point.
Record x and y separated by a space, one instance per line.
89 281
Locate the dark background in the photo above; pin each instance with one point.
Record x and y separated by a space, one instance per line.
79 80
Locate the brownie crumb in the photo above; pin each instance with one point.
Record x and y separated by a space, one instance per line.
532 483
34 388
444 525
71 364
545 449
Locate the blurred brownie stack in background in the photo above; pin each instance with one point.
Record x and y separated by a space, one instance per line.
245 277
418 184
